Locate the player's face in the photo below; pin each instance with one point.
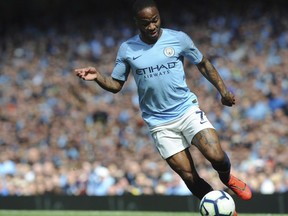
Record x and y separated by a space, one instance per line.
148 22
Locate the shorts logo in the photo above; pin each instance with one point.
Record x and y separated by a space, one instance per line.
201 115
169 51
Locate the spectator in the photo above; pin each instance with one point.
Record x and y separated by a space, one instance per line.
46 137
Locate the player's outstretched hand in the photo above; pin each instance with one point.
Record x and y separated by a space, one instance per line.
88 73
228 99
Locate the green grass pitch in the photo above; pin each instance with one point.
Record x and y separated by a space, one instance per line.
108 213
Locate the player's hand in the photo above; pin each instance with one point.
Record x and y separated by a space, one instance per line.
88 73
228 99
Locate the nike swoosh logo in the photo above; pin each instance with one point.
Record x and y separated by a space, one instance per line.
203 122
136 57
239 188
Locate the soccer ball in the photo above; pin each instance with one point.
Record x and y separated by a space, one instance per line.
217 203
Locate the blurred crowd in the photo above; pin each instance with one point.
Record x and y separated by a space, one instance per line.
62 135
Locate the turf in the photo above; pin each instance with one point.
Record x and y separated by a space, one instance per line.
108 213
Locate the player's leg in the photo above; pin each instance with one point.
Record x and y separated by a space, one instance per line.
174 148
182 163
208 143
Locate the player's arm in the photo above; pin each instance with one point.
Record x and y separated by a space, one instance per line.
106 82
211 74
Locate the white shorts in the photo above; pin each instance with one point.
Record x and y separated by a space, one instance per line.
175 136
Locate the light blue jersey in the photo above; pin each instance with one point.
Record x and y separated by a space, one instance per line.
159 74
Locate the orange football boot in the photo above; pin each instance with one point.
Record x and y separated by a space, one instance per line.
240 188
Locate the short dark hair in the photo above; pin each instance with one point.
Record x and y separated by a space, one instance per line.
141 4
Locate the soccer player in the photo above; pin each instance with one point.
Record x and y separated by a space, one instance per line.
155 58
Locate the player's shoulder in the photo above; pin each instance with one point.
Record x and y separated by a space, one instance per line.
179 34
130 42
173 31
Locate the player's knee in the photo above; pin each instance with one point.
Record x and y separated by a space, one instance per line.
221 163
218 157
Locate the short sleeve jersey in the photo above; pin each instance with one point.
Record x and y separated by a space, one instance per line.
159 74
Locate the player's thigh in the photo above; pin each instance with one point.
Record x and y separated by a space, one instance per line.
208 143
195 122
